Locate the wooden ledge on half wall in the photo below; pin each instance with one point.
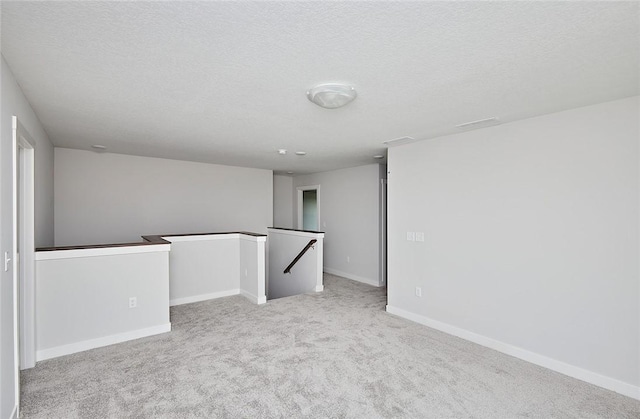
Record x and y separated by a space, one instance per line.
155 239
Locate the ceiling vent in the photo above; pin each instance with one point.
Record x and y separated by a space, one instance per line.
399 141
480 123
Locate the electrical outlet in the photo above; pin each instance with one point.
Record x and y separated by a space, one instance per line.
246 272
133 302
418 292
348 259
411 236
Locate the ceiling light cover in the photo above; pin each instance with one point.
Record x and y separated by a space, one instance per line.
332 95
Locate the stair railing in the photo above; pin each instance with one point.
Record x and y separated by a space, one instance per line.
297 258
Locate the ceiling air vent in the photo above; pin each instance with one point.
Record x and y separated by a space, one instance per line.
399 141
480 123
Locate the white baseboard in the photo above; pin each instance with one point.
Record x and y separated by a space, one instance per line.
256 300
203 297
373 282
85 345
541 360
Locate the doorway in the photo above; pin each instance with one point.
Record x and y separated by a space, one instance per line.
24 244
309 208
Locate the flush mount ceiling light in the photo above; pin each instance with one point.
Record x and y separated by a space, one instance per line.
282 151
332 95
378 156
301 153
99 147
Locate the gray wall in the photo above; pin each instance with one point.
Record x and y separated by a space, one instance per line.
107 198
15 103
82 302
531 237
282 201
349 215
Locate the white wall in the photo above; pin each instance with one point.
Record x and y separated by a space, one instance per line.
82 297
531 239
107 198
349 216
252 268
203 267
306 275
13 102
282 201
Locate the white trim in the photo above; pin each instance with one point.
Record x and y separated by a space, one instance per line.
85 345
23 245
101 251
362 279
319 264
296 233
382 233
26 282
541 360
206 237
256 300
203 297
300 190
255 239
319 288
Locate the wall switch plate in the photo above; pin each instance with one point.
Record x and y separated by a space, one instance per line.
419 236
418 292
411 236
133 302
348 259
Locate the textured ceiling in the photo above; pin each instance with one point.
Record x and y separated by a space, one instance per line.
225 82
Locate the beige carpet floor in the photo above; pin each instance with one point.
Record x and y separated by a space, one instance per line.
335 354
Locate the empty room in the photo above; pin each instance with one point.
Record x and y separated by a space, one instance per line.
324 209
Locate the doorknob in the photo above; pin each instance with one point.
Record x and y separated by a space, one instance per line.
7 259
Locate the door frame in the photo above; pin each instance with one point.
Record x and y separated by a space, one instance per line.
301 189
382 276
23 248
